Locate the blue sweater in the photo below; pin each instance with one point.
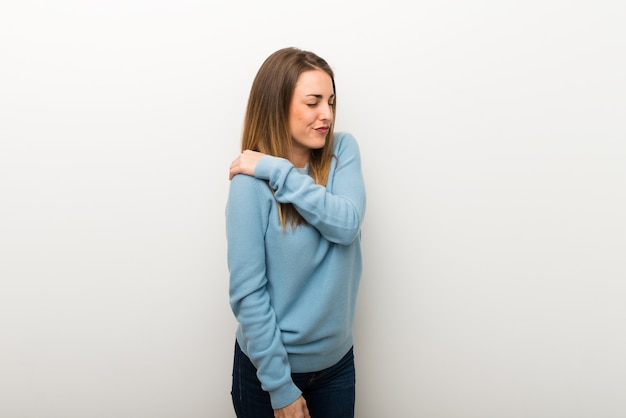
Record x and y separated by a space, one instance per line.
294 291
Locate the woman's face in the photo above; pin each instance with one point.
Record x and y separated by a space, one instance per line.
310 114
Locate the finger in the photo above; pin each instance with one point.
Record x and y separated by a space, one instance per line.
232 171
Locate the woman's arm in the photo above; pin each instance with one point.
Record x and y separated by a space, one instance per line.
246 220
336 210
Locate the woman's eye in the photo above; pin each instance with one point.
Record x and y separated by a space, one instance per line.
311 104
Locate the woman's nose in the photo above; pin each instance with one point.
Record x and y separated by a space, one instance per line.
327 113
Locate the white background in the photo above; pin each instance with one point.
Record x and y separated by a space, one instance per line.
492 137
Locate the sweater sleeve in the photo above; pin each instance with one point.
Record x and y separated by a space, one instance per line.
335 210
246 221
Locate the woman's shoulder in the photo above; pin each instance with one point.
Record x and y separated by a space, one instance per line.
342 136
345 140
248 195
248 185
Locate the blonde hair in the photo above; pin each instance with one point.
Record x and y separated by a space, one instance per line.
266 124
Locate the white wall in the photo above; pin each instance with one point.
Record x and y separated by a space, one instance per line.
492 136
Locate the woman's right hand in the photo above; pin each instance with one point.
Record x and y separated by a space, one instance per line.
296 409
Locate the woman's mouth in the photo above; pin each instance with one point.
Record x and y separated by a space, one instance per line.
322 129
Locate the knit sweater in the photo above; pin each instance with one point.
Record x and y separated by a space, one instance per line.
294 291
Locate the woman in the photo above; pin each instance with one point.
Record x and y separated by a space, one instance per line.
293 222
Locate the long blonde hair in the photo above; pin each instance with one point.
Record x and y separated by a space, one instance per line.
266 124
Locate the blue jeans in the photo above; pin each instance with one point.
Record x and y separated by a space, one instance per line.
329 393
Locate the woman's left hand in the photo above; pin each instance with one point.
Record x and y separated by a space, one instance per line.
245 163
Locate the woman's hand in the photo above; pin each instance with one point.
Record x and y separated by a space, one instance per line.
296 409
245 163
